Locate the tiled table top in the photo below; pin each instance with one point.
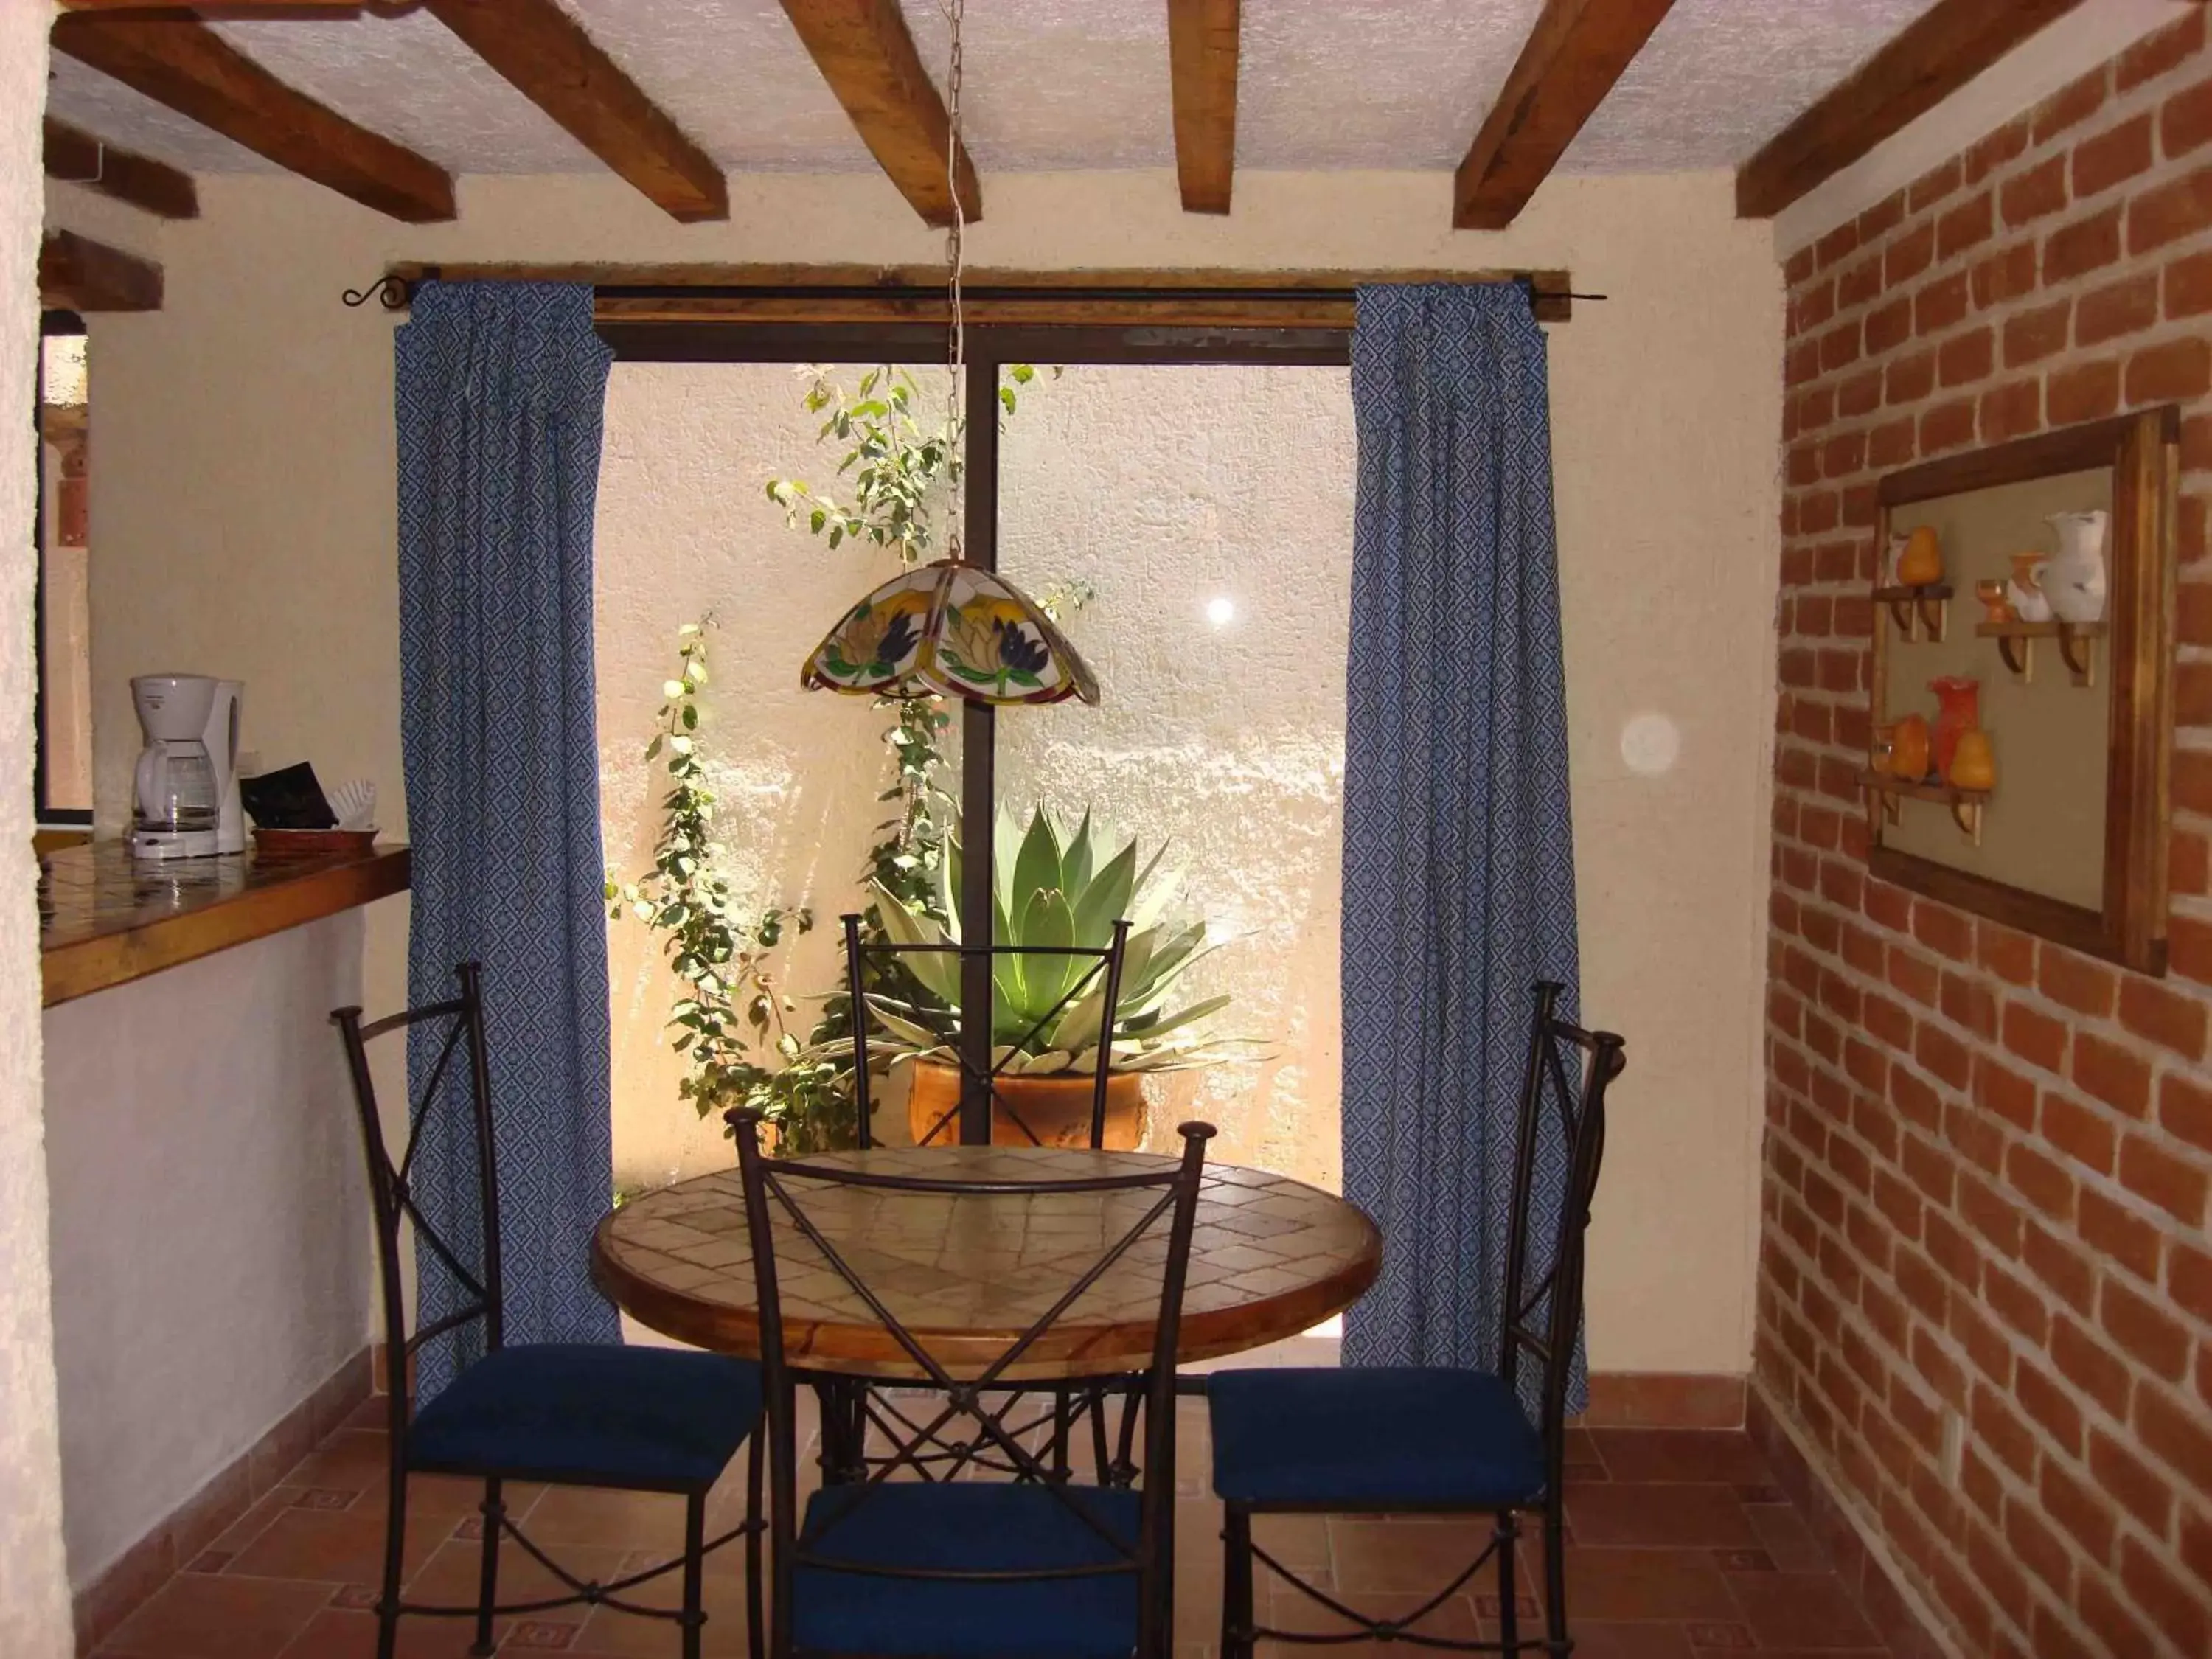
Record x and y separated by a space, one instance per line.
1270 1257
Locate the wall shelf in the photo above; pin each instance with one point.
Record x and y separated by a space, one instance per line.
2077 645
1918 611
1884 792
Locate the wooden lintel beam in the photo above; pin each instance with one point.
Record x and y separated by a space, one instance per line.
181 63
75 157
78 274
551 61
867 54
1202 46
1941 50
1574 54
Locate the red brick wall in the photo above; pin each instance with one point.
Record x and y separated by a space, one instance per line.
1987 1156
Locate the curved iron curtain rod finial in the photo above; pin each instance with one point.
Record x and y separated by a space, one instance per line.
391 291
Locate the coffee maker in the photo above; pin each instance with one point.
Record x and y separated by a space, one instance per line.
185 802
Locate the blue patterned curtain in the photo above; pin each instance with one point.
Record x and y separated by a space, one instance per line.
1459 886
501 390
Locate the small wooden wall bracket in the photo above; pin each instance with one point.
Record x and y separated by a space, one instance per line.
2077 646
1884 792
1919 612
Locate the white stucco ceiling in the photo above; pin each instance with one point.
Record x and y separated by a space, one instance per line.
1052 84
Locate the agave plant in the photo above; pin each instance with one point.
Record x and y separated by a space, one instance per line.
1050 890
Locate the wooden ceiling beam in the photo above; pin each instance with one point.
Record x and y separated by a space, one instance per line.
1941 50
867 54
75 157
551 61
78 274
181 63
1574 54
1202 46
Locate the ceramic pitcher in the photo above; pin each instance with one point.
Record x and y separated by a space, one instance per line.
2074 580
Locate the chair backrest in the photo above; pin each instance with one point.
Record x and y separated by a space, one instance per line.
969 1426
1562 1106
869 964
443 1032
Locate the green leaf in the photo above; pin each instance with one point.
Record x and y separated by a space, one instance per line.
1036 866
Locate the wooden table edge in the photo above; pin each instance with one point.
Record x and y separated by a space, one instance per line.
103 961
736 1331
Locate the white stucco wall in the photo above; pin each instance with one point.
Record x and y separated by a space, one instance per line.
210 1234
34 1612
243 503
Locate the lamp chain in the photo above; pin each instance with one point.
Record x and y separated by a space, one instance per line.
956 344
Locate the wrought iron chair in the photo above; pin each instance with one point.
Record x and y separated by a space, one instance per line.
954 1568
1437 1440
634 1419
1094 965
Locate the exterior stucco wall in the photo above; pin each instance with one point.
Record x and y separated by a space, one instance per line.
34 1612
243 507
1162 488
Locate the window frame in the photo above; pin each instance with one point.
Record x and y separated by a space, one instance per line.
53 323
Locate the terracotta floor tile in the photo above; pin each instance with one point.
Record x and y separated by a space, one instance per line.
1420 1556
255 1522
346 1547
337 1634
1660 1513
1673 1555
200 1616
1453 1620
449 1578
1597 1640
1783 1535
1721 1454
1801 1610
1300 1542
1616 1584
616 1519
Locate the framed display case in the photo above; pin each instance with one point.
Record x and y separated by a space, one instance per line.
2021 698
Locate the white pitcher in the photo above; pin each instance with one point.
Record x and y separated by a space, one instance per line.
2075 579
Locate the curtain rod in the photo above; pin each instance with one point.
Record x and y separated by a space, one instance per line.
394 292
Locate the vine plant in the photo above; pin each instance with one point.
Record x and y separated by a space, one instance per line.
733 1019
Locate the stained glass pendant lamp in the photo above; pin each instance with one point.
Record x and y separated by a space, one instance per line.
951 628
954 629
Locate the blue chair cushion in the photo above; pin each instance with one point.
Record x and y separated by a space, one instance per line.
1371 1438
969 1528
591 1415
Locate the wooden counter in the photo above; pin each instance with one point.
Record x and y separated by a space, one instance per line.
106 919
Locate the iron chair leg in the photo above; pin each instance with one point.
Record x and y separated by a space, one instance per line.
395 1545
494 1510
1555 1579
694 1561
1236 1582
756 1522
1509 1615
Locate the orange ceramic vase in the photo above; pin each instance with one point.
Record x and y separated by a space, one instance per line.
1973 763
1921 564
1957 709
1908 749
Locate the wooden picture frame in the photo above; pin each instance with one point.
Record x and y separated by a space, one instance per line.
2128 924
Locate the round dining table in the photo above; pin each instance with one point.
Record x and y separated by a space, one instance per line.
969 1275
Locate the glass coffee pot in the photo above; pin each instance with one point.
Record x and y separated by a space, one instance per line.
176 786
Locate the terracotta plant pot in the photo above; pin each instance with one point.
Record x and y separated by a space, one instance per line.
1056 1110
